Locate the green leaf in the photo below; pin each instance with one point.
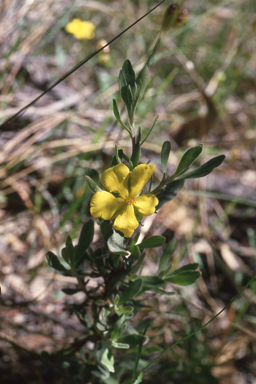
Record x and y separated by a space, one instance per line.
166 149
204 169
106 230
128 73
65 254
100 302
94 175
187 160
135 239
93 186
119 328
133 340
138 264
122 86
126 92
116 244
135 155
118 158
135 251
139 378
187 267
151 129
85 239
124 310
170 192
116 300
107 360
70 291
118 117
131 292
183 278
53 261
151 282
167 254
141 82
152 242
69 247
116 344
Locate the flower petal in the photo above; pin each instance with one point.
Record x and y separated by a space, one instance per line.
146 204
126 222
139 177
81 29
105 205
115 179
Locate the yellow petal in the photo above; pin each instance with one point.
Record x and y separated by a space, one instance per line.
139 177
105 205
115 180
81 29
146 204
126 222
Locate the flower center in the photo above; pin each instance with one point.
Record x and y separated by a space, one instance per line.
130 200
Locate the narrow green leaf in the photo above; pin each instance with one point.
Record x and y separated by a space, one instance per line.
138 138
130 292
133 340
170 192
70 247
135 239
135 155
167 254
94 175
163 292
93 186
151 129
118 159
150 282
166 149
187 159
139 378
65 254
122 86
183 278
129 104
122 310
141 82
126 94
53 262
116 344
204 169
70 291
152 242
118 117
187 267
138 264
85 239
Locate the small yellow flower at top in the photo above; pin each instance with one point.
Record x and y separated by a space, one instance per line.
122 201
81 29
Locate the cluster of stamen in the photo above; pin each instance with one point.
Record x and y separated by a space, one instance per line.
130 200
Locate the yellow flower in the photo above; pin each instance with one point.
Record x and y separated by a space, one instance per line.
128 207
81 29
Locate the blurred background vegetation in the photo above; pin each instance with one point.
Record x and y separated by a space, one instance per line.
203 87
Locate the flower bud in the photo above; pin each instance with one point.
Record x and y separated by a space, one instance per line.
174 17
